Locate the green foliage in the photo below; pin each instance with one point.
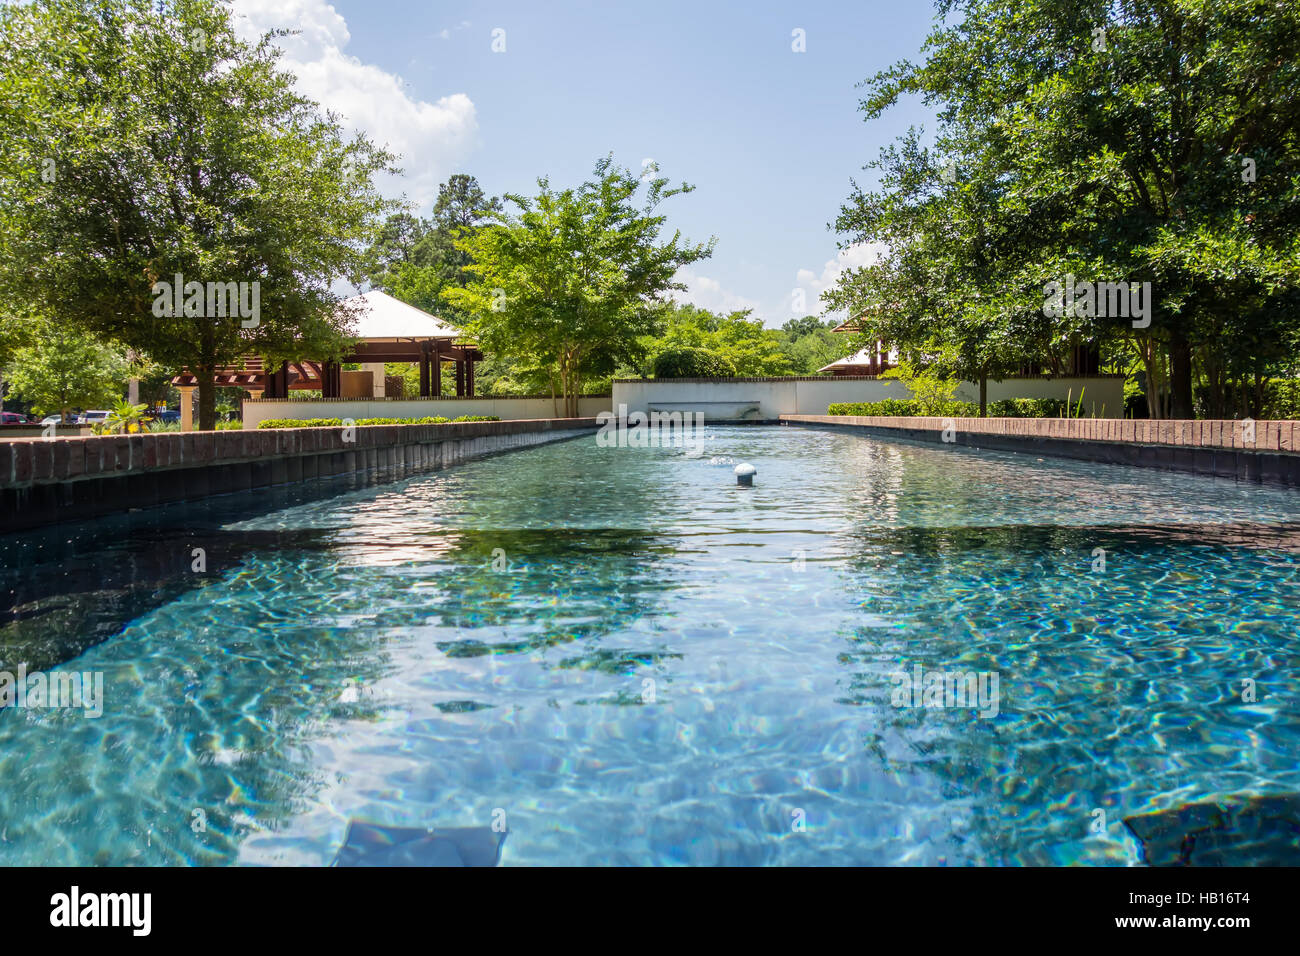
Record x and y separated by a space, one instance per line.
574 278
65 368
300 422
337 422
1028 408
1282 399
1119 162
904 408
689 362
931 388
809 344
1004 408
416 259
133 153
740 342
122 418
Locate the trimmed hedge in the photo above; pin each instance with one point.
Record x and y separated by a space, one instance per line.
910 408
691 362
1027 408
338 422
900 408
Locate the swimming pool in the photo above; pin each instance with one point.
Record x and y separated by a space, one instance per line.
631 660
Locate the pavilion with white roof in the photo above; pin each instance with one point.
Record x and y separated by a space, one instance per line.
386 330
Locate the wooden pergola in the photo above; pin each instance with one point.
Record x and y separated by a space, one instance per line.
388 330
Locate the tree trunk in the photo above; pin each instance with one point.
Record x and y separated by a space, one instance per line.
1180 377
207 400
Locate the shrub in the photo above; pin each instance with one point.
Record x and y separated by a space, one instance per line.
887 407
1282 399
300 423
902 408
929 387
692 363
337 422
1027 408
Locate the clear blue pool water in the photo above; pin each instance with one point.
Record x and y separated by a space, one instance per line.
668 669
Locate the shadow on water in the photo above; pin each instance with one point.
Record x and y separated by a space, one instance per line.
68 587
215 702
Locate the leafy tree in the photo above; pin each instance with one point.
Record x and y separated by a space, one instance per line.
574 277
416 259
66 368
690 362
810 344
144 142
1131 141
15 332
930 388
741 342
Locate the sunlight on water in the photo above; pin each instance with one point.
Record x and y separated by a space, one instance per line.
640 662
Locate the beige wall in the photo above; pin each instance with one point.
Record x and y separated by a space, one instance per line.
357 384
507 409
776 397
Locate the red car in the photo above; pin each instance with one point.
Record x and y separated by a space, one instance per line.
12 418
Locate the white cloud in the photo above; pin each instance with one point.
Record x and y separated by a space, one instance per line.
813 284
706 293
433 140
446 32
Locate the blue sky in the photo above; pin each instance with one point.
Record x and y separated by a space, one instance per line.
712 92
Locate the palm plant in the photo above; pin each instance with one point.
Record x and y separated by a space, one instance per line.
124 418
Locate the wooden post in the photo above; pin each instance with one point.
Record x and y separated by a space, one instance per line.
424 370
331 379
460 377
469 377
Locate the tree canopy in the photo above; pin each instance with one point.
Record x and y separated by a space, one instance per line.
145 142
1127 142
573 278
65 368
416 259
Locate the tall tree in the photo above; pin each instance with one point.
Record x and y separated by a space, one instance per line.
145 142
742 342
575 276
65 368
416 259
1131 141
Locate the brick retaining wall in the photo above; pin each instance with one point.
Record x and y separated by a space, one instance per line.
57 479
1218 448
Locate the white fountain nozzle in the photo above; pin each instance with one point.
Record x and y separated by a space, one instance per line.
745 474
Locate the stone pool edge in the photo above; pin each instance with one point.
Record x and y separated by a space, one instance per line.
50 480
1215 449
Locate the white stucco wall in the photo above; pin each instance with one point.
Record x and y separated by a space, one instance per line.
356 409
776 397
717 399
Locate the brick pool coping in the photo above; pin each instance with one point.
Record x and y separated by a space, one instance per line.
44 480
1218 448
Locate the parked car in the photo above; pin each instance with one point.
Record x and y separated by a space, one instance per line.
12 418
93 417
56 420
168 415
